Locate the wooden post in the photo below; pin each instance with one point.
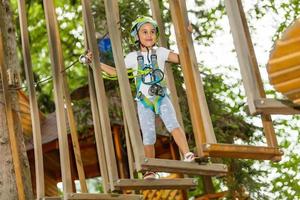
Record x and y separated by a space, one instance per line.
201 121
98 133
118 147
34 110
248 64
57 66
127 99
74 135
10 125
168 69
100 94
129 150
96 123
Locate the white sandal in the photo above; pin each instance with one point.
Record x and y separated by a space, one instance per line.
189 157
149 175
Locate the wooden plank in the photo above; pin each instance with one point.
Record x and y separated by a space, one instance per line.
297 101
96 123
287 86
286 47
118 148
240 34
103 196
272 106
97 128
284 62
163 165
57 63
14 146
100 93
130 156
74 134
127 99
192 79
243 151
248 64
51 198
294 31
154 4
157 184
284 75
34 110
212 196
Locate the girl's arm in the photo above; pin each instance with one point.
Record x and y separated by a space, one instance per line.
173 58
107 68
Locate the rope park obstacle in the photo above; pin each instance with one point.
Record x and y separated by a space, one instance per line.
206 143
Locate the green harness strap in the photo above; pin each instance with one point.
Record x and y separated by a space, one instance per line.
155 104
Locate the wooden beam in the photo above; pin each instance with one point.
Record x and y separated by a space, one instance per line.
157 184
176 166
248 64
284 62
100 93
103 196
74 135
118 148
202 125
284 74
212 196
14 146
51 198
98 133
243 151
246 56
129 150
127 99
34 110
272 106
57 63
285 47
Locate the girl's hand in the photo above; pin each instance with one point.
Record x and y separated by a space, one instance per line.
89 57
86 58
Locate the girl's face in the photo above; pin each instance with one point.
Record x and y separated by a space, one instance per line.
147 35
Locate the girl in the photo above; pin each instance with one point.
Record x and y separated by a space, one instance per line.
152 93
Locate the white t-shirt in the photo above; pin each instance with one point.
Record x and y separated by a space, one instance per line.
131 62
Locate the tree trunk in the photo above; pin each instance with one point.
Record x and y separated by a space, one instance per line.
8 187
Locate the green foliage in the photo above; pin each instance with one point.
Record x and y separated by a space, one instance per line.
207 23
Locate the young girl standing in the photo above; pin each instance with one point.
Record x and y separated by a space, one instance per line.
151 91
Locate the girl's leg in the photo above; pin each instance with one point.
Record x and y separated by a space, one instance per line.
149 151
147 124
180 139
168 115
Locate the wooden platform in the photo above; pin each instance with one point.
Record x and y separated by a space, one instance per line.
243 151
140 184
176 166
272 106
97 197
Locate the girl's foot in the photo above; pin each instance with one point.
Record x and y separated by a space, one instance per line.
189 157
149 175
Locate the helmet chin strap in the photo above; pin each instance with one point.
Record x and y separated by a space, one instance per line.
142 45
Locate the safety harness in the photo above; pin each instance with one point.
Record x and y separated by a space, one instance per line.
158 84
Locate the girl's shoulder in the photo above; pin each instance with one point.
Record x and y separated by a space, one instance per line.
161 49
131 54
